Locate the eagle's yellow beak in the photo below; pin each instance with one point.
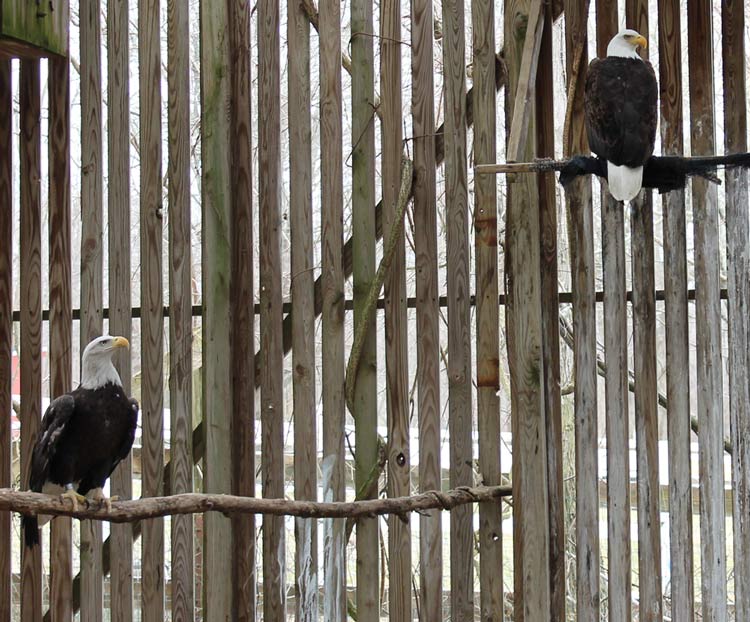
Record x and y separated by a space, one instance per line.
640 41
120 342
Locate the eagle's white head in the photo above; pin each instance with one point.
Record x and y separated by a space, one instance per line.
625 44
96 364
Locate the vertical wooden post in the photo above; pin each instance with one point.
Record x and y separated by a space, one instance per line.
428 311
272 382
396 328
216 258
6 324
524 322
91 264
31 314
152 302
581 231
61 314
180 305
738 268
487 310
676 313
332 289
707 315
242 314
545 147
120 285
363 234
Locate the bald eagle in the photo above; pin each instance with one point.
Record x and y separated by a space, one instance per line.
84 434
620 106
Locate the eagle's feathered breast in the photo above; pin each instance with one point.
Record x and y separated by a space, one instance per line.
621 109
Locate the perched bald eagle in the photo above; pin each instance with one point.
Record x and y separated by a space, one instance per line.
84 434
620 105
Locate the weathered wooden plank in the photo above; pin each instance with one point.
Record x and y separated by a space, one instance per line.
364 237
676 314
120 286
459 319
152 296
396 328
33 30
180 305
31 313
216 332
524 335
303 301
738 268
91 262
6 324
581 231
707 314
243 320
332 297
486 291
428 311
61 314
272 381
545 147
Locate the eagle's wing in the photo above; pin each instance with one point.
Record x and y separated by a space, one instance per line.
127 441
602 113
55 419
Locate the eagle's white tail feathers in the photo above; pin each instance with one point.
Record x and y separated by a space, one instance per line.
624 182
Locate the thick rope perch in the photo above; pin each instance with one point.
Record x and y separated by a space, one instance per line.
193 503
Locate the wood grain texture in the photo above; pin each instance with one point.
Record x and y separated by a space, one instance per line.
31 313
243 320
428 311
487 309
61 315
676 314
396 328
303 301
216 332
6 325
332 298
524 336
707 315
91 261
363 234
459 292
180 305
545 147
120 286
271 347
738 269
581 231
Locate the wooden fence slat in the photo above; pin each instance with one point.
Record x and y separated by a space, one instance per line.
707 315
120 286
243 320
676 321
216 274
303 301
91 263
272 381
31 313
580 231
524 336
545 147
180 306
6 325
332 298
738 268
152 296
61 315
396 327
459 291
428 311
487 310
364 236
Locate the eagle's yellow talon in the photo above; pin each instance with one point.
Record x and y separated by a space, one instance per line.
74 497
